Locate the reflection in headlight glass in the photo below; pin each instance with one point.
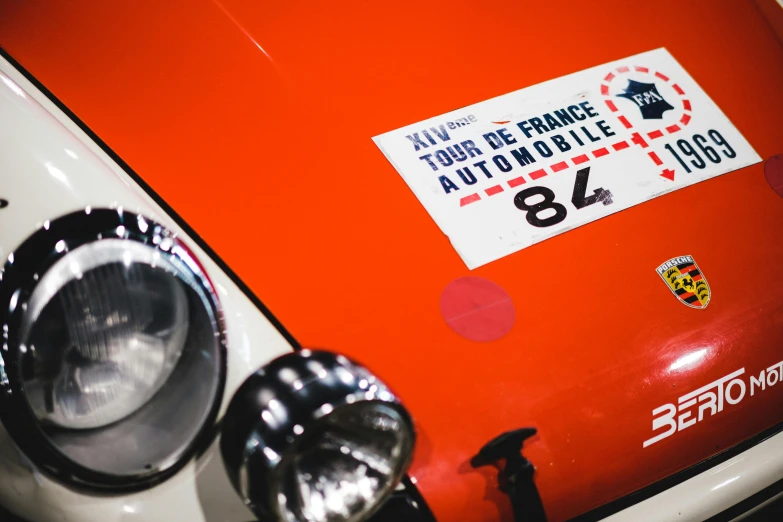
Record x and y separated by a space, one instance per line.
102 338
346 465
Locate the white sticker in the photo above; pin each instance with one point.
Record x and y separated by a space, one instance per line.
503 174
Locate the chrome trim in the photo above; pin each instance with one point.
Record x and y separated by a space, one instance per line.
273 412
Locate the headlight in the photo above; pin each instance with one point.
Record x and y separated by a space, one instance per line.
102 332
113 361
314 437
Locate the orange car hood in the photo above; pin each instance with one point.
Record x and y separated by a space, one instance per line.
254 120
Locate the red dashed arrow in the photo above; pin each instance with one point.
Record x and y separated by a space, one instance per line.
668 174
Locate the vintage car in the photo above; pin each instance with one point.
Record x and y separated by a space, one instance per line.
222 301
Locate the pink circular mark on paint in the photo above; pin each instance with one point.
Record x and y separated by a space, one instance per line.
773 171
477 309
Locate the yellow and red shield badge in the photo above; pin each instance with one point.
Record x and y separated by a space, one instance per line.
686 281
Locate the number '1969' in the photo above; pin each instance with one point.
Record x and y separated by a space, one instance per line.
706 149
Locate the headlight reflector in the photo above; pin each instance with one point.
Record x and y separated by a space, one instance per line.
103 331
348 464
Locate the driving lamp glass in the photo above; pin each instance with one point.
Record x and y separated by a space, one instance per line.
347 467
315 437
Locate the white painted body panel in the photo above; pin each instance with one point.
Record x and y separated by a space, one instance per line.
48 168
715 490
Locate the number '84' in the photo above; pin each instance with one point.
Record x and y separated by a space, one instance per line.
535 211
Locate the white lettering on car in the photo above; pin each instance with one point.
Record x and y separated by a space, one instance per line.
711 399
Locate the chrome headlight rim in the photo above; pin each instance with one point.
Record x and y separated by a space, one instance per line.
18 280
258 445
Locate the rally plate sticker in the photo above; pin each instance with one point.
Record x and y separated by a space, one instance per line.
506 173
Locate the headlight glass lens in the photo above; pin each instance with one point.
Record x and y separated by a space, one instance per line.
347 466
113 359
105 328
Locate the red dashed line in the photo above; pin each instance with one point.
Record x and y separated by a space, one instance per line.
578 160
467 200
557 167
516 182
603 151
686 104
610 103
637 138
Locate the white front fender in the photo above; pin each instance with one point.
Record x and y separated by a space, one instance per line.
50 167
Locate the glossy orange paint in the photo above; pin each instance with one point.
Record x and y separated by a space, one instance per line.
253 120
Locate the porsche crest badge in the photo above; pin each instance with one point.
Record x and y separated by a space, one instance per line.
684 278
